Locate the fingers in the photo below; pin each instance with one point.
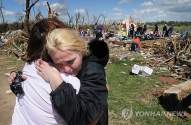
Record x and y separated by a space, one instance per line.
11 78
37 64
40 64
9 81
24 77
40 61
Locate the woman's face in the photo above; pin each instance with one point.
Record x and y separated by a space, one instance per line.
67 61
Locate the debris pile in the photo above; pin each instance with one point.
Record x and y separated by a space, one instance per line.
14 42
171 55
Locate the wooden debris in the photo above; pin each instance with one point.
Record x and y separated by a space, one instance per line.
11 67
179 91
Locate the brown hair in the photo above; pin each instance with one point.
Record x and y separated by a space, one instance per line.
37 40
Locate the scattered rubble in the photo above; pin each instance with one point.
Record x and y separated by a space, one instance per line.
14 42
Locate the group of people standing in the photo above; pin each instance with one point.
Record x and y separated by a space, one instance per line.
168 32
136 43
165 30
140 30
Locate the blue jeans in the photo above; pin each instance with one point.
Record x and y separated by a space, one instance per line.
134 47
169 33
120 38
163 35
94 34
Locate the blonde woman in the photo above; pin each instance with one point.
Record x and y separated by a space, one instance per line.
71 55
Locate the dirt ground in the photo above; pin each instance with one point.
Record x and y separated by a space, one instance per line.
7 101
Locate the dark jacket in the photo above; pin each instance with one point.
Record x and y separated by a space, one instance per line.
99 35
171 29
83 108
164 28
156 27
145 28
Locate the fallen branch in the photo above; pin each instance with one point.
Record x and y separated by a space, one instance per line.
166 60
16 46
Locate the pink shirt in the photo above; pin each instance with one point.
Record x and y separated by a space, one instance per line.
35 107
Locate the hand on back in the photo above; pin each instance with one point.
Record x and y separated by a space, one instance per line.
47 71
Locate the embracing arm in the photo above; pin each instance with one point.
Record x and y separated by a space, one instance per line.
49 73
90 101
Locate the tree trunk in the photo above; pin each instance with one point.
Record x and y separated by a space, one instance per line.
1 7
26 29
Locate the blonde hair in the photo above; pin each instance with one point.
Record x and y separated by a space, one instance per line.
66 39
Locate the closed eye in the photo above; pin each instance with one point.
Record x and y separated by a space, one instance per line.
70 62
58 65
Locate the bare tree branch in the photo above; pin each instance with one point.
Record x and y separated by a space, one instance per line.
26 29
1 7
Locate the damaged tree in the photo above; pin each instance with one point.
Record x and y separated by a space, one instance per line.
26 29
38 16
1 7
70 18
51 12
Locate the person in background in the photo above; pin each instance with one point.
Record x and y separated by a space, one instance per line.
99 34
1 42
136 44
170 30
86 35
100 27
95 29
139 30
106 35
164 30
132 30
156 30
145 29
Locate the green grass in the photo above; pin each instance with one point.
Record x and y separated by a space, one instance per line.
133 91
177 29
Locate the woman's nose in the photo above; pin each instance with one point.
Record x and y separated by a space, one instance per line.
65 69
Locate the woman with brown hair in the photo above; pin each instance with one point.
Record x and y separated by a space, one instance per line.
34 106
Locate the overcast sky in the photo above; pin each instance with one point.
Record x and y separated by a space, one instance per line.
146 11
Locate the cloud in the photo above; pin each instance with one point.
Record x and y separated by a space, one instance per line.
116 14
80 11
41 3
8 13
157 10
117 9
58 6
147 3
124 1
